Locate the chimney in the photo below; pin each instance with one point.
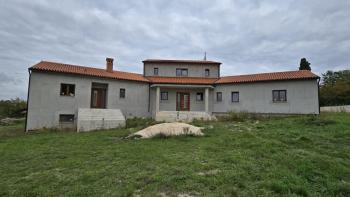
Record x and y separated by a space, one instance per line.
109 64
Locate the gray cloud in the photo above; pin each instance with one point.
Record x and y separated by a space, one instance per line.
247 36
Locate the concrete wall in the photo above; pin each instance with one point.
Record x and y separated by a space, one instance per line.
302 97
170 104
45 103
169 70
343 108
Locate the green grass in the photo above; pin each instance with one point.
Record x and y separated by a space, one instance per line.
290 156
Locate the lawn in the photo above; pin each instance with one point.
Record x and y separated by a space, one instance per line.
289 156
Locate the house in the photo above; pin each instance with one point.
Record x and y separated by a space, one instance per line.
168 90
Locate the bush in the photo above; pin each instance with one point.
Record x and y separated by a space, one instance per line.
139 122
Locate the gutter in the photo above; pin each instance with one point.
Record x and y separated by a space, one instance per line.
30 74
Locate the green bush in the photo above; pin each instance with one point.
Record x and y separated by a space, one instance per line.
139 122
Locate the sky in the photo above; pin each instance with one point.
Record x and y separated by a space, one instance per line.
247 36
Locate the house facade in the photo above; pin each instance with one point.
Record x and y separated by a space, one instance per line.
168 90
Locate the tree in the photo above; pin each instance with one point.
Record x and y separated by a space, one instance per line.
304 64
335 88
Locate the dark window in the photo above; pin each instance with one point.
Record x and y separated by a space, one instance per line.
67 89
155 71
181 72
122 93
207 72
199 96
66 118
235 96
279 95
164 96
219 96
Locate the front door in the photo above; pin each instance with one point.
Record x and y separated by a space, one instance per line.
98 95
183 101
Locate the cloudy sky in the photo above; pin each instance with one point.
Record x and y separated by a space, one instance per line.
246 36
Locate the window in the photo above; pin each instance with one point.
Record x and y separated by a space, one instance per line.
67 89
181 72
279 95
235 97
207 72
122 93
199 96
164 96
155 71
66 118
219 96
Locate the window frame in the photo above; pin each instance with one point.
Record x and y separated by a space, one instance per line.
122 93
180 72
156 71
201 94
207 72
66 121
217 94
164 94
232 93
278 100
69 85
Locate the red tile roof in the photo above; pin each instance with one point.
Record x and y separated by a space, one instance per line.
96 72
180 61
182 80
275 76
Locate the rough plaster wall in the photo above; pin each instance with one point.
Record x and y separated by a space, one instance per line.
302 97
169 70
45 103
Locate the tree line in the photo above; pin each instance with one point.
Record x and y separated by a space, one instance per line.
12 108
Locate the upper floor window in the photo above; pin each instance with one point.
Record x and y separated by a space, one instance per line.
181 72
164 96
122 93
199 96
235 97
219 96
279 95
67 89
155 71
207 72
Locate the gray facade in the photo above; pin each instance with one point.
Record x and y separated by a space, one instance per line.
169 70
142 96
45 104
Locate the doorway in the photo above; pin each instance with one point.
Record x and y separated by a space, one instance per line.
99 95
182 101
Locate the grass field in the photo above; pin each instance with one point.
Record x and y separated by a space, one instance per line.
290 156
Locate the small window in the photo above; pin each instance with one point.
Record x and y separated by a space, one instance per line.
279 95
235 97
199 96
181 72
219 96
164 96
155 71
66 118
122 93
207 72
67 89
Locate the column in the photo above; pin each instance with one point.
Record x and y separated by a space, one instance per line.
157 98
206 100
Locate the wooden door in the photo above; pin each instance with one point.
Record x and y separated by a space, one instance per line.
183 101
98 98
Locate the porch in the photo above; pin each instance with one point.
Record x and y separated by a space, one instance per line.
174 102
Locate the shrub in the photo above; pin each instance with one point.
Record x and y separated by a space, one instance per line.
139 122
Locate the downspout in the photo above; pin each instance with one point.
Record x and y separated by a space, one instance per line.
30 74
318 86
149 95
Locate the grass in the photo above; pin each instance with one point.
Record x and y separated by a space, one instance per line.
289 156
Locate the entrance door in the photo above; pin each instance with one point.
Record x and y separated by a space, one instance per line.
183 101
98 95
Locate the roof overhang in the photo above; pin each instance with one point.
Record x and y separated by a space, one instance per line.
181 86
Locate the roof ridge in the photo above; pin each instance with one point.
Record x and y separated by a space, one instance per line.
264 73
